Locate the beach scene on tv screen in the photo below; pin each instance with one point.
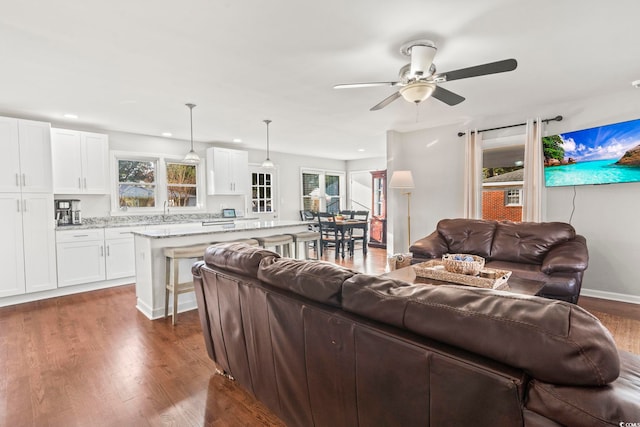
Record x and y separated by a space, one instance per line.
601 155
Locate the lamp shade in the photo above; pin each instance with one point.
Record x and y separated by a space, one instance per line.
401 179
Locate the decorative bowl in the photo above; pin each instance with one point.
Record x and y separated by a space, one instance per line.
463 263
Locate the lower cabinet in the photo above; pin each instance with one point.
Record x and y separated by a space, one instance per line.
120 253
80 256
94 255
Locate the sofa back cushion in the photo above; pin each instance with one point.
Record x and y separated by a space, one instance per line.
553 341
528 242
472 236
318 281
238 258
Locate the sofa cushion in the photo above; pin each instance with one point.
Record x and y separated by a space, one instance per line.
468 236
238 258
316 280
615 404
551 340
528 242
559 284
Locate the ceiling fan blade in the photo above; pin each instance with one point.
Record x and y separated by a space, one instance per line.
480 70
447 96
370 84
388 100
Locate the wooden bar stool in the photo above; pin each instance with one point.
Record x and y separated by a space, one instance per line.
172 281
281 242
306 237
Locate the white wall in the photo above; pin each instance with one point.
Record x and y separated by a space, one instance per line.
606 215
288 171
359 181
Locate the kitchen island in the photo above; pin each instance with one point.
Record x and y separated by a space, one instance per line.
150 260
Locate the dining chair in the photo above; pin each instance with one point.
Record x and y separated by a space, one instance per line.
330 235
358 233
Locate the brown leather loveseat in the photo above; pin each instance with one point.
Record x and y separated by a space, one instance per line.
550 252
321 345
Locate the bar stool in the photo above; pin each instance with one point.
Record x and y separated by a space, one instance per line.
306 237
281 242
172 281
250 242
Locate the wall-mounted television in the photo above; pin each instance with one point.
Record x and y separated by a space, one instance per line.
601 155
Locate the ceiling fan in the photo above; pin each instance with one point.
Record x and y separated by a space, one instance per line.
418 80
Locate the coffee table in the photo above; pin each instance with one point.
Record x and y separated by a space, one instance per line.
516 285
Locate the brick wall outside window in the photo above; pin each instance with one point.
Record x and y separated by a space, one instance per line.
493 207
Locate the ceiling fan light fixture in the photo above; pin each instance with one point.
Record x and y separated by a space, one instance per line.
418 91
191 157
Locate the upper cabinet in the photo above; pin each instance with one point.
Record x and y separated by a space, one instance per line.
227 171
25 164
80 162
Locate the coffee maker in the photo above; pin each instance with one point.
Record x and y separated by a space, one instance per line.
68 212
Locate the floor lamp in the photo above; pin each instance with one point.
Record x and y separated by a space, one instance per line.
403 180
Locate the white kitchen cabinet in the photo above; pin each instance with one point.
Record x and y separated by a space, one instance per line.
80 162
81 256
25 164
120 249
27 247
94 255
227 171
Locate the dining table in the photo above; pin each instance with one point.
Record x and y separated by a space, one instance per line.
346 226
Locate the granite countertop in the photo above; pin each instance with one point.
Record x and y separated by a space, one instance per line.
149 220
246 225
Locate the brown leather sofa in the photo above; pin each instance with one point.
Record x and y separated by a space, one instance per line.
550 252
321 345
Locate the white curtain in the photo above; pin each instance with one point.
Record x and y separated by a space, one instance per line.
533 172
473 175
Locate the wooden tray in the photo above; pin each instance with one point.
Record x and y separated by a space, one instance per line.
435 270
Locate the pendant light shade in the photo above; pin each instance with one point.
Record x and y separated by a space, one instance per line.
191 157
267 163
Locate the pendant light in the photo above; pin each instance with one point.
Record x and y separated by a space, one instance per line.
267 162
191 157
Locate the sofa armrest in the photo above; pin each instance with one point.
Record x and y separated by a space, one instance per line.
571 256
432 246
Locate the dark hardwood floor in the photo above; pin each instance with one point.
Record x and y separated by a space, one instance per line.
92 359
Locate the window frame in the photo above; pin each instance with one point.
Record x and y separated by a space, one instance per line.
161 185
507 197
322 197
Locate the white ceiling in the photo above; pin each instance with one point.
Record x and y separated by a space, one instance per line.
132 65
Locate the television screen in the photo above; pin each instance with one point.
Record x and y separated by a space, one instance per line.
601 155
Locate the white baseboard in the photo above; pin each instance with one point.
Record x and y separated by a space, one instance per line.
632 299
63 291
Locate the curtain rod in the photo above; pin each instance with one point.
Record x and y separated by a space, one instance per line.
554 119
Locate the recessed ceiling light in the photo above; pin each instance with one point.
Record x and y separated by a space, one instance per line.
361 149
635 83
167 134
237 139
71 116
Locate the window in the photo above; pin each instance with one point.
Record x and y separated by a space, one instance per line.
150 184
503 174
513 197
323 191
136 183
262 192
182 189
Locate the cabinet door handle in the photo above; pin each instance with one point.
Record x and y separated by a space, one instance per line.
17 179
80 235
79 183
101 250
18 205
85 183
24 180
108 253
